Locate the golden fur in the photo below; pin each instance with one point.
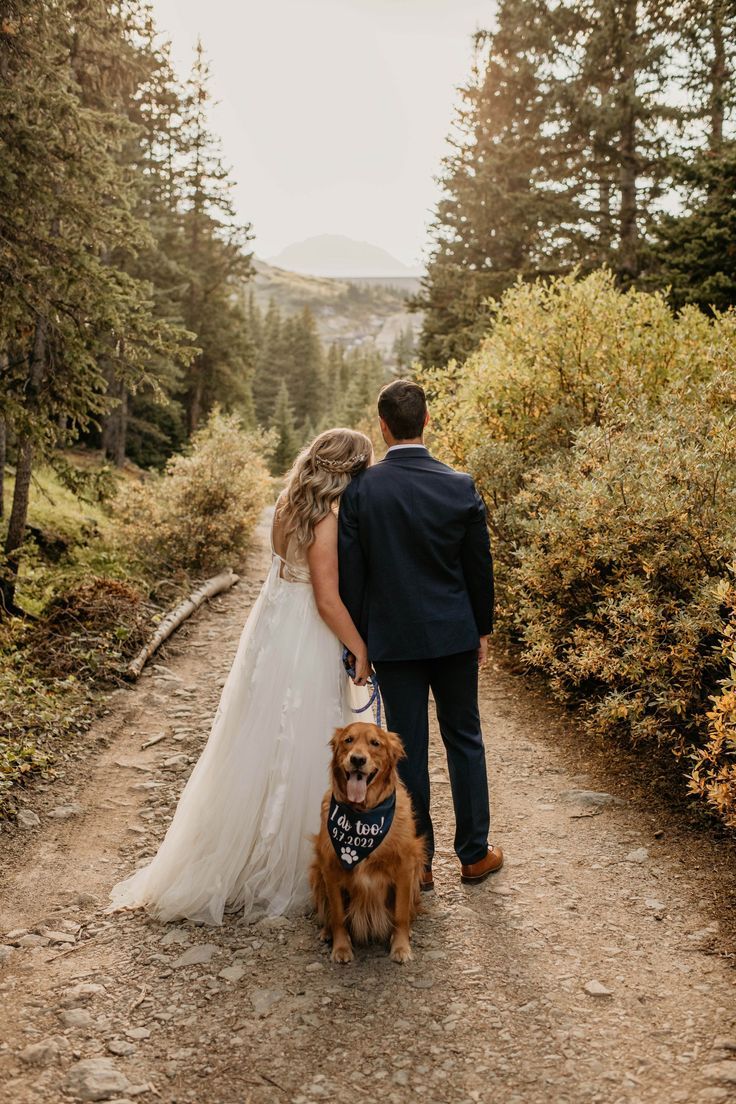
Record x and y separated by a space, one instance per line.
379 898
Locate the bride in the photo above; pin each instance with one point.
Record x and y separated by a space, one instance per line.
241 834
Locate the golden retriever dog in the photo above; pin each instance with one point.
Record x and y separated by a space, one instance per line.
368 859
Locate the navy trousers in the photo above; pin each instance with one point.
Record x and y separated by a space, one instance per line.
453 680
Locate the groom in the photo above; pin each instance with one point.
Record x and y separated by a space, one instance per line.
417 578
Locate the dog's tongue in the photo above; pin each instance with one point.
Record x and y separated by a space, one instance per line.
357 787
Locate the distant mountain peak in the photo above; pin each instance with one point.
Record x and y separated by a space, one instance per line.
338 256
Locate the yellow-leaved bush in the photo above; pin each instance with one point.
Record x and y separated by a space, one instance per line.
601 430
713 775
200 514
622 544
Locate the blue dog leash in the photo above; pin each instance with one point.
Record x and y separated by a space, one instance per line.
375 692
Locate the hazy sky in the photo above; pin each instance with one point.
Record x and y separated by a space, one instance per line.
333 113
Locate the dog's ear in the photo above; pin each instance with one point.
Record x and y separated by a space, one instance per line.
395 745
335 739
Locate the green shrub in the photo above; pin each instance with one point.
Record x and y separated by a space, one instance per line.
199 516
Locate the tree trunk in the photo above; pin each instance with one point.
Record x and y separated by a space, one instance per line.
605 222
115 425
16 524
602 162
718 78
122 437
23 470
3 443
3 459
177 616
195 401
628 232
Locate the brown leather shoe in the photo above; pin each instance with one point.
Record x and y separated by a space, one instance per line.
476 872
426 881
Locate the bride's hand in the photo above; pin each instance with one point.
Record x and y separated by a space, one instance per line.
362 669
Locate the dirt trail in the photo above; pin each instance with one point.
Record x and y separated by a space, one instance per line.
584 972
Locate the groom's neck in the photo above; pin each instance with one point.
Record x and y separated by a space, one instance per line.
391 441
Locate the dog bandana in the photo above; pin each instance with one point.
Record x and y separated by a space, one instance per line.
356 834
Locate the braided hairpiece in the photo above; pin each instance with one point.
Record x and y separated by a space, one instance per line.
341 466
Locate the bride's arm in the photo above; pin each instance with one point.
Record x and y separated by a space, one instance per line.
322 559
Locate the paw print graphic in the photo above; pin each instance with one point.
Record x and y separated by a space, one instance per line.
349 855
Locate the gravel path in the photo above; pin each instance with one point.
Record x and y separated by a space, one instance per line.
586 971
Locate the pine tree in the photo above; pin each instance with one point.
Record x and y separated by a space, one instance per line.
336 373
693 252
254 318
66 311
404 350
269 365
217 262
708 38
287 439
495 222
617 115
147 424
307 379
566 143
109 69
364 374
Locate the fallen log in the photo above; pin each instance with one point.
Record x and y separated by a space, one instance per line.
178 616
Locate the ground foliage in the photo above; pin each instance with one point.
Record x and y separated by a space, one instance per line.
600 428
125 561
54 669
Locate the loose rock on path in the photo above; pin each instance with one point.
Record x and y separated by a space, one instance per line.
584 972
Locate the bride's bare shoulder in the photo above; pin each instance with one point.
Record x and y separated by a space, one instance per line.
322 552
326 527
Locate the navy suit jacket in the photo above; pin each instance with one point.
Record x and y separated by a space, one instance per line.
416 572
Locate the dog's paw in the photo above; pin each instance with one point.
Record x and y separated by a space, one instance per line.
401 953
342 953
325 935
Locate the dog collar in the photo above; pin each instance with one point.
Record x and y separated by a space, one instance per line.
356 834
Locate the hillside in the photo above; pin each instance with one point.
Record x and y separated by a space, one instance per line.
350 312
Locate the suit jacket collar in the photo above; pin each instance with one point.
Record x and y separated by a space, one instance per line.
416 452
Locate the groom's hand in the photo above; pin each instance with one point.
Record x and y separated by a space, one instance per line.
483 651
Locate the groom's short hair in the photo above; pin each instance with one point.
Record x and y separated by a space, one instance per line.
403 406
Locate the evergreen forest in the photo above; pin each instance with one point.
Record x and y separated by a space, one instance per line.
590 134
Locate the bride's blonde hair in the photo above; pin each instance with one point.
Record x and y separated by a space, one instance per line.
319 475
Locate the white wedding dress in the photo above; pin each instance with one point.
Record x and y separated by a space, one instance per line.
241 834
